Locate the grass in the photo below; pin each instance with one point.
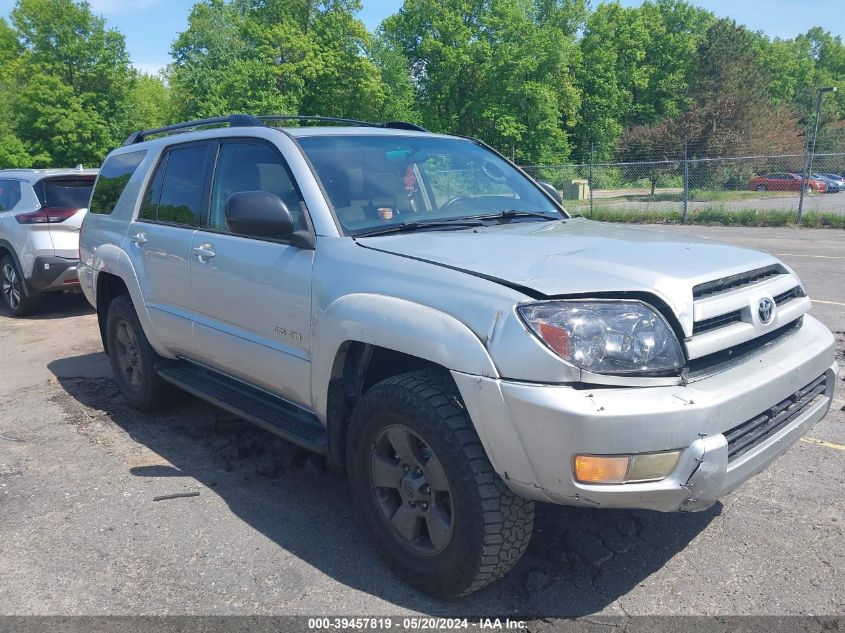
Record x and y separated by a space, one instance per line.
715 216
703 195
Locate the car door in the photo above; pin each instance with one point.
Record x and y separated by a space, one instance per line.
159 241
251 297
775 182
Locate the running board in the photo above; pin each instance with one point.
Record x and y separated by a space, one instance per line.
276 415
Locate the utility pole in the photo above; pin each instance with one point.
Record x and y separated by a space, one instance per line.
808 160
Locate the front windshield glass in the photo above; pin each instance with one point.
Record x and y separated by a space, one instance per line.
377 181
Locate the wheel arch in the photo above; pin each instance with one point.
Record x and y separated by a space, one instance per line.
362 339
114 275
108 287
6 248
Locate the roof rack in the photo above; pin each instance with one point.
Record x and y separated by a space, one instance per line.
247 120
315 119
234 120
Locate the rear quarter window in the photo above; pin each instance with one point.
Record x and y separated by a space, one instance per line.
114 176
10 194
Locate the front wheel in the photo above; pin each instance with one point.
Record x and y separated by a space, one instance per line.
431 501
761 188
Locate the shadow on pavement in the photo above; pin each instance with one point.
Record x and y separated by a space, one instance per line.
57 306
579 562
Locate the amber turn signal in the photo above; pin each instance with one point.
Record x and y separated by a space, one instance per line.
595 469
621 469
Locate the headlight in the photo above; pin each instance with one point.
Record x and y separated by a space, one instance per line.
606 337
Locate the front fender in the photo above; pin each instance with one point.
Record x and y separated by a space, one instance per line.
398 325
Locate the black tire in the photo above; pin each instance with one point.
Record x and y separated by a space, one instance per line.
489 526
762 188
133 359
14 298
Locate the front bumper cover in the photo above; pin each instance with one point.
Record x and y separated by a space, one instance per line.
532 432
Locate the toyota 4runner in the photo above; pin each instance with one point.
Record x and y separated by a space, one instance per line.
420 311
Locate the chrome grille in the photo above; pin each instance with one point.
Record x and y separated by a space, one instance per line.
746 436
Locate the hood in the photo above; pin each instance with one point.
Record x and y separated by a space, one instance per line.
579 257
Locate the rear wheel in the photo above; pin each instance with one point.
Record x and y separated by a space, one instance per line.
431 501
133 359
14 298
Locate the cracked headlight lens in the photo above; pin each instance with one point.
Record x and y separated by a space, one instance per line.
606 337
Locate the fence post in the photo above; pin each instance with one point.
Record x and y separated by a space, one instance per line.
803 180
686 185
590 178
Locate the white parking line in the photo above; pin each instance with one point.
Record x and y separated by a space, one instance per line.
832 303
815 256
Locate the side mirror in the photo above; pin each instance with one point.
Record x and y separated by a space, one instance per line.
554 193
259 213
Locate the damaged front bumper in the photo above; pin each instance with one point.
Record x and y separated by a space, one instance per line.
532 432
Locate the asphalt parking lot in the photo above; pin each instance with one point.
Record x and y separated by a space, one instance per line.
271 532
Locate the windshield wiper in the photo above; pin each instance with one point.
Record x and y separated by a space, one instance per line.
407 227
509 214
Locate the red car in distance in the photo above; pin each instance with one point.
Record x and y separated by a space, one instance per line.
784 182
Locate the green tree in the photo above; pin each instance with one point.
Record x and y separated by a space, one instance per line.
65 39
9 46
149 102
274 56
499 70
56 127
637 66
394 68
65 80
12 150
733 113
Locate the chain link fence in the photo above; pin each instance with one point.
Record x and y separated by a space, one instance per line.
702 188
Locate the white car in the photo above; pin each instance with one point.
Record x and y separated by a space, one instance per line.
41 212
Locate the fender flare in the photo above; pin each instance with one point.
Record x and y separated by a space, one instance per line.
113 260
396 324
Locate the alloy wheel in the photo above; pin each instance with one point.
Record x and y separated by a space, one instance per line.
412 490
11 286
128 355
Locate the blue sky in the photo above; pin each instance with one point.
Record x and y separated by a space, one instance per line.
151 25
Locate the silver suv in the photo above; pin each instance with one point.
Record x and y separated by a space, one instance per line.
417 309
41 211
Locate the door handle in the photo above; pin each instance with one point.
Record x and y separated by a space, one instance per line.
204 252
140 239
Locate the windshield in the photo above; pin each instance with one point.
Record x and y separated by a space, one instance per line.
377 181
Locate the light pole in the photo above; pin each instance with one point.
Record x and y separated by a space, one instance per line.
808 164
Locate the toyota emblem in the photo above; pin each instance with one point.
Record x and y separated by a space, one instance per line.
766 310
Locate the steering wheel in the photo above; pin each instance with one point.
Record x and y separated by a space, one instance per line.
493 172
454 202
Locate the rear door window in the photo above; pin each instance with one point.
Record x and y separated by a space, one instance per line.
177 192
65 192
114 176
